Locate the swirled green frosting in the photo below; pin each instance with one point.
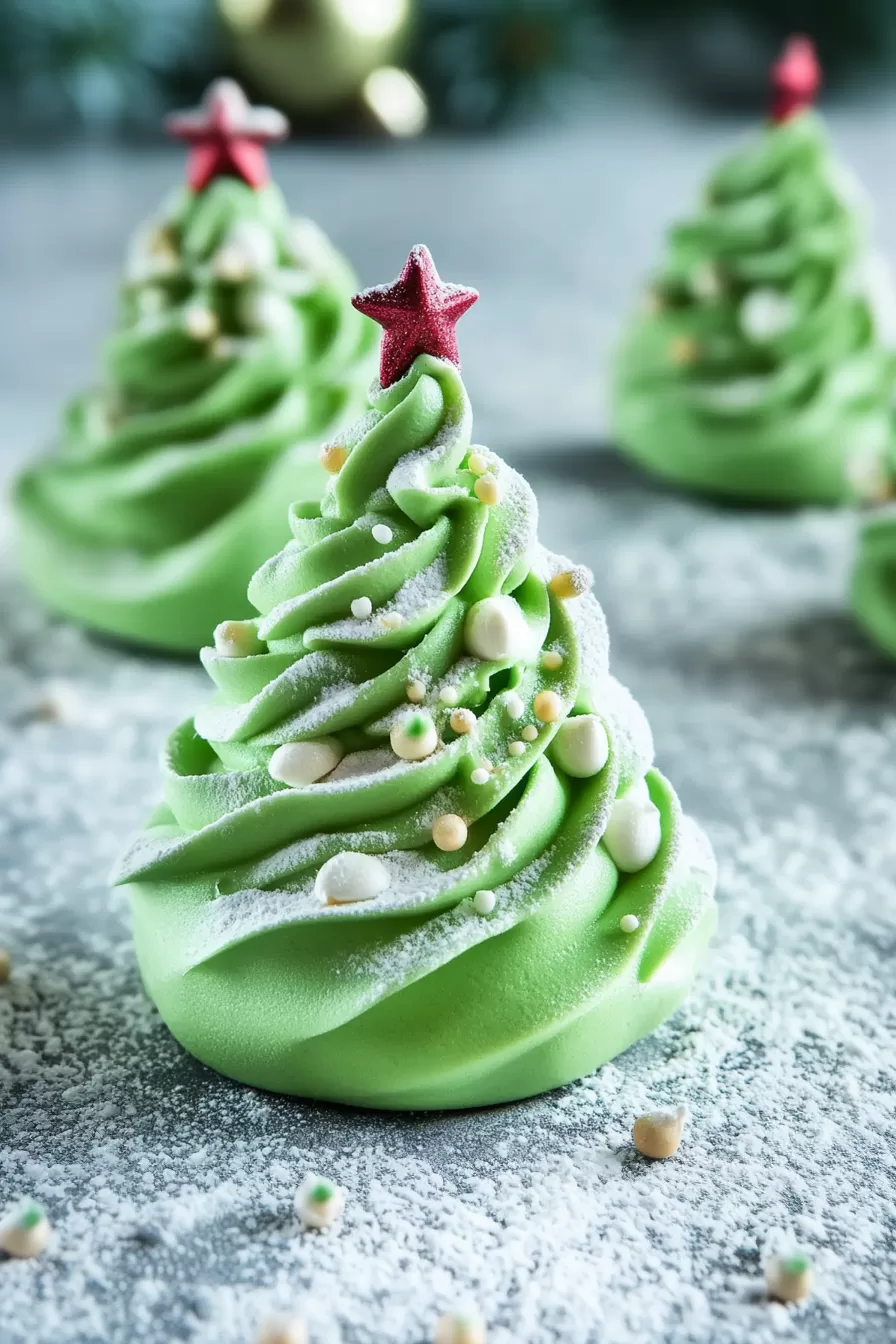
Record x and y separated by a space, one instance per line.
421 995
762 364
236 350
874 572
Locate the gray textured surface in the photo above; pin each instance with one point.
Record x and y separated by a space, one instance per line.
170 1189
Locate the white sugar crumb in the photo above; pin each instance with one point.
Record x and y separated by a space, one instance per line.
170 1190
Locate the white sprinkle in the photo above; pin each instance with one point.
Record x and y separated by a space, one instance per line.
513 704
301 763
25 1231
318 1202
516 748
392 620
484 902
351 876
381 533
480 775
529 733
415 691
449 695
282 1330
496 629
628 923
362 607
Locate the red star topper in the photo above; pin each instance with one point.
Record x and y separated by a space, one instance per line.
418 313
796 77
226 136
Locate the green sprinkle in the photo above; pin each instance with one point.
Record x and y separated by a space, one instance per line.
798 1263
31 1215
322 1192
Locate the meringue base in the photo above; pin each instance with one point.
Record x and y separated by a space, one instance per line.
539 1005
171 599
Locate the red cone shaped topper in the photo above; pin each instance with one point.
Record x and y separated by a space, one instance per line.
226 135
796 77
418 313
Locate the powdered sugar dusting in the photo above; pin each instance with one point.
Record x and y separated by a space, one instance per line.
171 1190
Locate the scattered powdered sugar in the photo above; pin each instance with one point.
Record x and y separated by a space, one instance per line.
170 1190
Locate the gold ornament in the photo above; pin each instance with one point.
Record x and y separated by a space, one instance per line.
313 57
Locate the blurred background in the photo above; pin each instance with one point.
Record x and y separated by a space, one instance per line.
399 67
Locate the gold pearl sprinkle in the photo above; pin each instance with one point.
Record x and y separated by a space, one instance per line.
333 457
449 832
463 721
551 661
571 582
684 350
529 733
487 490
548 706
658 1134
415 692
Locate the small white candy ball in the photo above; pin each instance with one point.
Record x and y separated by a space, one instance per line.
266 311
255 242
629 923
460 1328
25 1231
414 736
351 877
581 747
495 628
633 833
480 775
318 1202
514 706
516 748
766 313
237 639
484 902
362 607
300 763
381 533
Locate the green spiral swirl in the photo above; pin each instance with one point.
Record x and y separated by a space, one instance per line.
412 999
236 350
763 365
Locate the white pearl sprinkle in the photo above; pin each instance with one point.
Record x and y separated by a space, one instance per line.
301 763
414 736
282 1330
633 833
460 1328
581 747
415 691
318 1202
449 695
496 630
351 876
516 748
629 923
529 733
237 639
480 775
362 607
513 704
484 902
463 721
381 533
392 620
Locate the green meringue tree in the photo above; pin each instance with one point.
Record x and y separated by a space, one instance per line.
236 349
762 363
414 853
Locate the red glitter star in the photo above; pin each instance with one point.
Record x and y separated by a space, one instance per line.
418 313
226 136
796 77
